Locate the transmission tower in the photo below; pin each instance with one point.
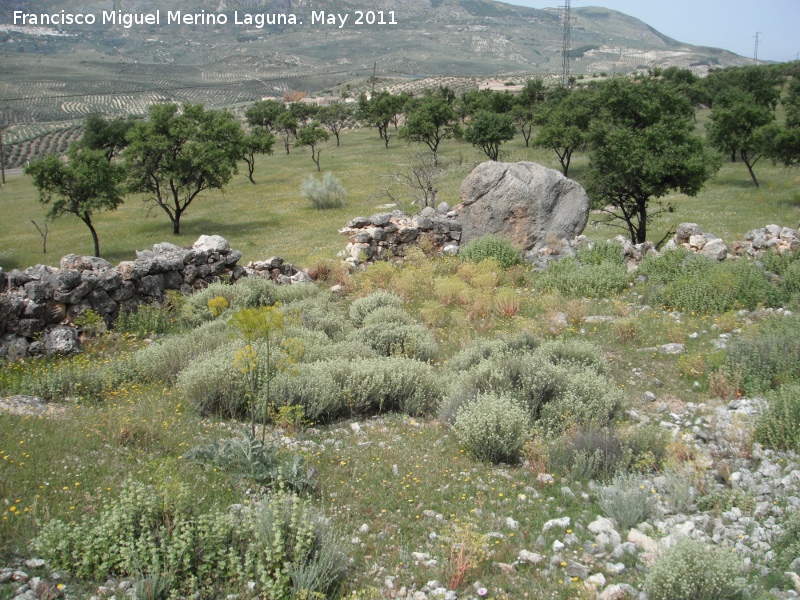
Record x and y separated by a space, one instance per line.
565 48
755 50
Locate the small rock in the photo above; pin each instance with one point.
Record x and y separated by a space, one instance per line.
576 569
563 523
530 557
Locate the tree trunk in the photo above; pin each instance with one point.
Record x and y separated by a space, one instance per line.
641 233
750 163
87 218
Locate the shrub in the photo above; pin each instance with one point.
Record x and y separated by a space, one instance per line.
163 360
574 280
361 307
213 384
317 312
387 314
602 252
787 546
691 570
492 428
576 353
628 499
325 193
276 542
556 396
248 292
340 388
473 353
778 427
146 320
705 285
768 358
491 246
398 339
587 454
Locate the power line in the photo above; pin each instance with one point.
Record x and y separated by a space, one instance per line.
566 44
755 50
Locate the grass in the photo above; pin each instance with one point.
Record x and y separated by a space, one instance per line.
272 218
407 479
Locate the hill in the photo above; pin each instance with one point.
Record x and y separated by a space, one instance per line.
62 72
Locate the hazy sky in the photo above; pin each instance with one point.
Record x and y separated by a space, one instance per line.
728 24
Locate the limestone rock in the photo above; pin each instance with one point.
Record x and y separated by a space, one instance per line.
61 340
212 243
523 201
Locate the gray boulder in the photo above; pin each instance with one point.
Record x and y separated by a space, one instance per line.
523 201
61 340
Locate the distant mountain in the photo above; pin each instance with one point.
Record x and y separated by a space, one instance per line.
74 69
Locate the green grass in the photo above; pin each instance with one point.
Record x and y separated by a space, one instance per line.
272 218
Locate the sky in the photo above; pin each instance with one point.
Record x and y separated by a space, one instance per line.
728 24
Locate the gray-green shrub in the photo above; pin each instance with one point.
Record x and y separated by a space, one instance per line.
325 193
691 570
163 360
492 428
492 246
628 499
148 531
556 396
361 307
212 383
340 388
318 312
248 292
391 338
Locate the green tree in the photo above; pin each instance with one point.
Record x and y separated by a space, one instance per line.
303 112
643 145
258 141
431 120
175 155
488 130
736 121
110 136
264 114
380 111
565 121
312 135
781 143
336 117
526 105
85 184
286 124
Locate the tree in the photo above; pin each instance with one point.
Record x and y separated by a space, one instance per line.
526 105
421 180
286 123
736 119
265 113
335 117
781 143
565 122
312 135
381 110
84 185
487 130
175 155
643 145
258 141
303 112
429 121
110 136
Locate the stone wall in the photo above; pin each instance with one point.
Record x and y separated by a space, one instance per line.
389 235
39 304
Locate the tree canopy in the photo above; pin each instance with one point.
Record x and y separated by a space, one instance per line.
176 154
312 135
642 146
488 130
85 184
431 120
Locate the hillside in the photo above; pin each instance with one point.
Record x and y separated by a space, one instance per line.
47 74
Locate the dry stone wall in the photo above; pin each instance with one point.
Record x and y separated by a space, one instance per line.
39 304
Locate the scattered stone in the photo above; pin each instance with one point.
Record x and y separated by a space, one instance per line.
530 557
562 522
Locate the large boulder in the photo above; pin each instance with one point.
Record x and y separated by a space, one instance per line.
523 201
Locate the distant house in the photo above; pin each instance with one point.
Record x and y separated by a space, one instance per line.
499 86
